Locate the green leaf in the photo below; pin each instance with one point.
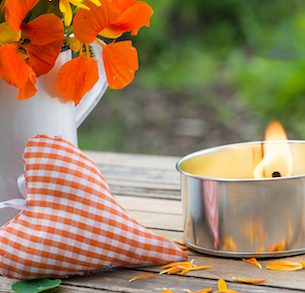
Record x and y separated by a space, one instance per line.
35 286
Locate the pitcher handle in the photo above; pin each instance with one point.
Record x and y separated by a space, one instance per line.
90 100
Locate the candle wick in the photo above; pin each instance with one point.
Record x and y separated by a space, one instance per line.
276 174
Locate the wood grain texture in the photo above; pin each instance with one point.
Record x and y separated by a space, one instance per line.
149 188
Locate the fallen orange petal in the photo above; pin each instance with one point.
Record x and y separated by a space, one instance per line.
172 270
174 264
77 77
44 29
15 12
180 242
197 268
222 287
284 266
165 290
250 281
120 62
252 261
143 276
302 262
205 290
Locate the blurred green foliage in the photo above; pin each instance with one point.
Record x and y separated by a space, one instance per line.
252 52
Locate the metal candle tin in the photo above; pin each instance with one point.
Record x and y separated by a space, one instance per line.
229 213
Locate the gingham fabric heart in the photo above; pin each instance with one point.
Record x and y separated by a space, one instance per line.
72 223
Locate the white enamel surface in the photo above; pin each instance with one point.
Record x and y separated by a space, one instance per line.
45 114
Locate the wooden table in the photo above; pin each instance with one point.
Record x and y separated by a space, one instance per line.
148 186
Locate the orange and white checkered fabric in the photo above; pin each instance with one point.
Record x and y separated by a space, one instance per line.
72 223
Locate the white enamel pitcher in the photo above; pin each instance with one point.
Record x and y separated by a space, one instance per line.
44 113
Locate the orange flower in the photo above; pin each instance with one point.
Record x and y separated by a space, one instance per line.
15 71
120 62
16 11
35 56
111 19
76 77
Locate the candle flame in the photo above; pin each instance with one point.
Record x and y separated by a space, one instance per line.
277 160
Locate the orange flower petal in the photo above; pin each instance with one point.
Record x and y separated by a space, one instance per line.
133 18
284 266
77 77
180 242
222 287
165 290
205 290
16 11
29 90
44 29
13 69
174 264
120 62
143 276
252 261
42 58
197 268
87 24
302 262
250 281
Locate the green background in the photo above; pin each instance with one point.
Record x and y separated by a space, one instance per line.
211 72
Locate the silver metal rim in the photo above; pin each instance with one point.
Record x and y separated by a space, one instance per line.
219 148
231 254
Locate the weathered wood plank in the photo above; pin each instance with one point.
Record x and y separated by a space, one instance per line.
139 175
228 268
132 203
118 282
159 221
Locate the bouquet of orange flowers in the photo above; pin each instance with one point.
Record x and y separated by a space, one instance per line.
33 33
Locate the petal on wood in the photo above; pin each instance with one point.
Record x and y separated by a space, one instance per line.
302 262
143 276
174 264
284 266
44 29
120 62
197 268
249 281
13 69
77 77
252 261
16 11
205 290
42 58
165 290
